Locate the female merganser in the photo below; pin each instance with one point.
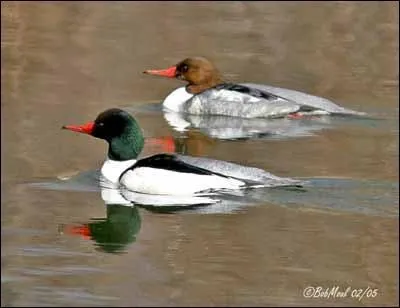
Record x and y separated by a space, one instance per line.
207 93
166 174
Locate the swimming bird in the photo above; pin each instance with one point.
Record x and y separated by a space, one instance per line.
166 173
207 93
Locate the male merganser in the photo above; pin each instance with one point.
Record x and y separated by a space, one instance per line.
166 174
207 93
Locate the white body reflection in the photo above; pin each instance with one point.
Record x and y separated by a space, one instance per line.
223 127
91 181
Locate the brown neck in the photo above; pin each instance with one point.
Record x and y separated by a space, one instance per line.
198 88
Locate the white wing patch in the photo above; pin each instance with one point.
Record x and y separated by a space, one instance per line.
166 182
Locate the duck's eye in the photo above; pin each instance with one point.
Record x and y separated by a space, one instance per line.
184 68
101 124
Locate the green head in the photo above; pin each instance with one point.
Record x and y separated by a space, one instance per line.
119 129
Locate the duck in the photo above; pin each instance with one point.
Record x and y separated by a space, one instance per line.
206 93
166 173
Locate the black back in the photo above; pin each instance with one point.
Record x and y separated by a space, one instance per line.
246 90
169 162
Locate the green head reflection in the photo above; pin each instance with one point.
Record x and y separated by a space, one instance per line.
113 233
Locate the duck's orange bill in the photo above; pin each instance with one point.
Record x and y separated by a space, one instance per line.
84 129
168 72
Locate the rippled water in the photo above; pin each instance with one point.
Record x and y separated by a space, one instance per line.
65 243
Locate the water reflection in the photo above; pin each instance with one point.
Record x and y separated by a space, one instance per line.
235 128
121 226
93 181
65 61
228 128
122 223
339 194
112 233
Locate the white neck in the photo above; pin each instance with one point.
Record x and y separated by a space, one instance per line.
176 99
112 169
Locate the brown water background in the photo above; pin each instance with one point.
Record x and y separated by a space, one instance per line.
64 62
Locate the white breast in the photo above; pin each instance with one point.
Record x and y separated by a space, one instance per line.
176 99
166 182
112 169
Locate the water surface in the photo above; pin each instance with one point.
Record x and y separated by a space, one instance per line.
65 62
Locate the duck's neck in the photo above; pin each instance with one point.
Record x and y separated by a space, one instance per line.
177 98
123 152
193 88
128 145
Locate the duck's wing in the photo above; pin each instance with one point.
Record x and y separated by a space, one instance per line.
303 99
240 101
252 176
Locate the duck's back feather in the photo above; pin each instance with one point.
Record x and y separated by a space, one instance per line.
250 100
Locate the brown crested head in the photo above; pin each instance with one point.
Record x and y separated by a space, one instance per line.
199 72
